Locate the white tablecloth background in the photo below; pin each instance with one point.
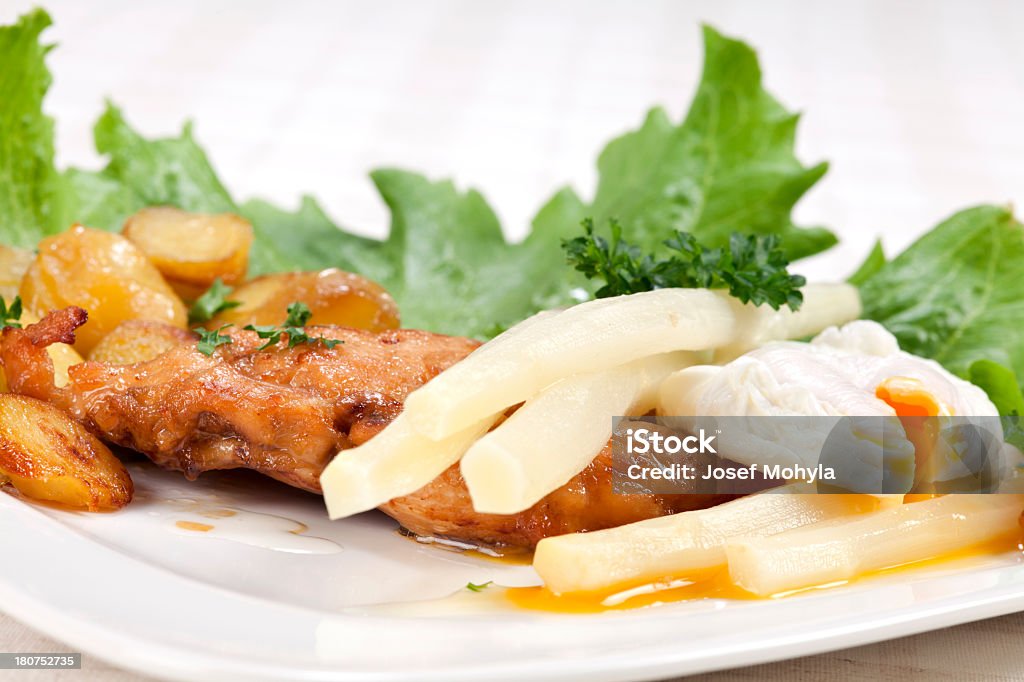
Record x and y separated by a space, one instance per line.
918 105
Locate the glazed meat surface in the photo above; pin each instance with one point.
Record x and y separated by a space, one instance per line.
443 508
286 412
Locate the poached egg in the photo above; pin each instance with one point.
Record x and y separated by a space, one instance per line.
856 370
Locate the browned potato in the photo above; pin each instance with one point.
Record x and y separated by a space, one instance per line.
334 297
48 456
103 273
64 358
191 250
138 341
13 264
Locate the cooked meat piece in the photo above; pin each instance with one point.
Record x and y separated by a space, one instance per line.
285 412
443 508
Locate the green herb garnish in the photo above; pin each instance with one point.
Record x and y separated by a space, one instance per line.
473 587
209 341
298 315
294 328
9 316
752 268
213 301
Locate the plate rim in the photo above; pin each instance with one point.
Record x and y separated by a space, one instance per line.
20 521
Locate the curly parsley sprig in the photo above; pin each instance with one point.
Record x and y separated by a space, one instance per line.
211 303
752 268
294 328
211 340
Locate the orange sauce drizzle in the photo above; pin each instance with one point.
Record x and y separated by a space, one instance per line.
192 525
717 585
218 513
709 585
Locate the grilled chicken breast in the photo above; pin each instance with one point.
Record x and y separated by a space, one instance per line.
285 412
443 508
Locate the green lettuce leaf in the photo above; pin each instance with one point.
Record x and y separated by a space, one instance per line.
445 261
728 167
872 264
175 171
140 172
957 295
306 239
1000 383
452 267
33 195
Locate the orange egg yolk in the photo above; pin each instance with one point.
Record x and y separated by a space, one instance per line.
914 405
908 398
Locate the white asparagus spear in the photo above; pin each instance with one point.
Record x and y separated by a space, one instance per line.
585 338
682 544
825 305
555 435
606 333
839 550
444 417
397 461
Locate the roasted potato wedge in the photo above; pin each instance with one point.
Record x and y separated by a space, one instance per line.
64 358
48 456
334 297
138 341
191 250
105 274
13 264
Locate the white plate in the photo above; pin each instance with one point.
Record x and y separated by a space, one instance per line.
135 589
